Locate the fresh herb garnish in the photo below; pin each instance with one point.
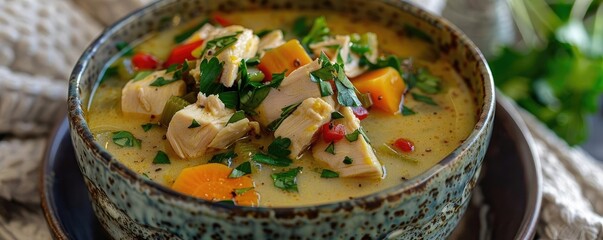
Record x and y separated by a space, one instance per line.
253 61
161 158
125 139
286 180
406 111
286 111
301 27
237 116
352 137
423 98
241 170
428 83
390 61
361 44
220 44
331 148
328 174
347 160
147 126
319 32
189 32
161 81
415 32
241 191
251 93
224 158
323 76
263 32
271 160
230 99
210 71
346 92
141 75
194 124
336 115
172 68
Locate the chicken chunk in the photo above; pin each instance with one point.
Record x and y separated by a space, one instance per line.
350 59
364 162
303 124
294 89
233 132
211 116
139 98
270 40
245 46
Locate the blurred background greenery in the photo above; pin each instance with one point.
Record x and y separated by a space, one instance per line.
555 69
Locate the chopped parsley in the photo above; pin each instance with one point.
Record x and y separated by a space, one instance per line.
347 160
336 115
286 111
278 153
146 127
161 158
352 137
423 98
241 170
230 99
141 75
189 32
251 94
220 44
326 173
331 148
237 116
125 139
194 124
406 111
241 191
271 160
319 32
161 81
427 82
346 92
224 158
210 71
286 180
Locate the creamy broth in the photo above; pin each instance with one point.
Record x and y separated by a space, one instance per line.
435 130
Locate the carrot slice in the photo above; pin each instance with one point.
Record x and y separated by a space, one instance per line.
210 181
386 87
288 56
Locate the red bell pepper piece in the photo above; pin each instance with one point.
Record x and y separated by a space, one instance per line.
222 21
182 53
360 112
144 61
404 145
332 133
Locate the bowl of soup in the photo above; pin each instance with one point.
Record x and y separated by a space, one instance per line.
280 119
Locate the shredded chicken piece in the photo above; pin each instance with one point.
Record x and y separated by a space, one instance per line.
139 98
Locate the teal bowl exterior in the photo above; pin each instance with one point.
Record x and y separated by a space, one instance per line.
428 206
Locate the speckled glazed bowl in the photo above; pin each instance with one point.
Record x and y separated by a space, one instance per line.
426 207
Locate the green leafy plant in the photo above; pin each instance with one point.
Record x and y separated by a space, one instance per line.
556 71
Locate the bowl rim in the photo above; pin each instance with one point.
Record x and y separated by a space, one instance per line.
79 125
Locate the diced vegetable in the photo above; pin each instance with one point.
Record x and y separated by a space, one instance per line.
190 97
245 150
404 145
256 76
144 61
211 182
328 174
318 32
385 86
125 139
286 57
173 105
182 53
332 132
360 112
219 19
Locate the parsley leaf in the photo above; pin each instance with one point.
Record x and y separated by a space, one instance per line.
286 180
328 174
331 148
241 191
390 61
223 158
270 160
286 111
220 44
427 82
161 81
423 98
141 75
210 71
241 170
406 111
189 32
352 137
146 127
237 116
280 147
301 27
346 93
125 139
194 124
319 32
336 115
230 99
347 160
161 158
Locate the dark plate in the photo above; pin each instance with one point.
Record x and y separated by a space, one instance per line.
510 187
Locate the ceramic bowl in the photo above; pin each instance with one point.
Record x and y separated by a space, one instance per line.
426 207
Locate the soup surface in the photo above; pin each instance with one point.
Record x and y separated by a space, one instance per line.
438 114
